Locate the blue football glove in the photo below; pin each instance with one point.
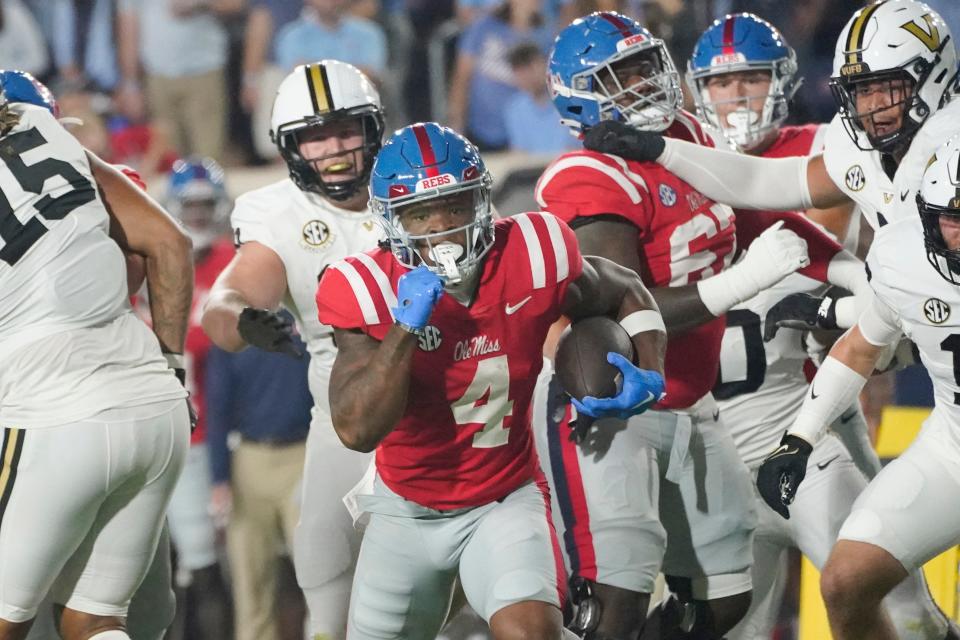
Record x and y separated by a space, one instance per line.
641 389
417 293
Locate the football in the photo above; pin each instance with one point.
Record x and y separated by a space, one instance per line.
581 360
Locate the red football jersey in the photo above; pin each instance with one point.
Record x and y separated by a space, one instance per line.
465 437
197 343
683 237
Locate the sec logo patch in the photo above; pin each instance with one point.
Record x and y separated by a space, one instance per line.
430 339
667 195
316 234
937 311
855 178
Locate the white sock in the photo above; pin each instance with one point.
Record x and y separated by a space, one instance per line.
570 635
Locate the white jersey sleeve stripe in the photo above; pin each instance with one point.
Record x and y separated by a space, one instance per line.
381 279
635 177
559 248
537 265
590 163
355 280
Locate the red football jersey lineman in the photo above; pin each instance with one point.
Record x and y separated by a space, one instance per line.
197 342
683 237
465 437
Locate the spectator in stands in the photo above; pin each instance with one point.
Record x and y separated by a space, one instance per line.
262 397
482 79
533 125
82 44
469 11
261 72
179 47
327 29
22 45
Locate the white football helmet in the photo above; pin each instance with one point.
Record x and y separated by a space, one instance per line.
939 195
894 40
316 94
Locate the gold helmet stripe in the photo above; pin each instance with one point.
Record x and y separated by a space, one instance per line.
319 87
857 30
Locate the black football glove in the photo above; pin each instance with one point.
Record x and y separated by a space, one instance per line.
800 311
267 330
782 472
623 140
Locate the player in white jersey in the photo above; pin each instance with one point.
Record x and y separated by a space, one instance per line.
741 74
894 74
94 422
327 123
904 517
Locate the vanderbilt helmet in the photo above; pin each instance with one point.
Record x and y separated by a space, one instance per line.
584 83
425 161
939 198
315 95
736 43
903 48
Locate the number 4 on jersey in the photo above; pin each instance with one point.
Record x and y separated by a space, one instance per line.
491 382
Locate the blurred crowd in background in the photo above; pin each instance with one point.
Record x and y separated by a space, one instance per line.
156 79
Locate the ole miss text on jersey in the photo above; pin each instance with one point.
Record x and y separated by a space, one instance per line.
465 438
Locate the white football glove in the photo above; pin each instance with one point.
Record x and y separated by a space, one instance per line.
775 254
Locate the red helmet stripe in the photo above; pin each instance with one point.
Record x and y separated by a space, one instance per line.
426 150
728 36
618 24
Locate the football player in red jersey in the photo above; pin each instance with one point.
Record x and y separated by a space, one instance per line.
440 334
689 485
197 198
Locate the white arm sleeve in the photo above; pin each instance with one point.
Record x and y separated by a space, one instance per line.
739 180
834 390
846 271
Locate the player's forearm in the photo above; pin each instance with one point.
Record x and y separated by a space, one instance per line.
221 314
682 308
740 180
170 285
368 402
639 315
836 386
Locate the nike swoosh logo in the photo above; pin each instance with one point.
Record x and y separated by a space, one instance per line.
813 395
847 417
716 415
824 465
513 308
903 196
